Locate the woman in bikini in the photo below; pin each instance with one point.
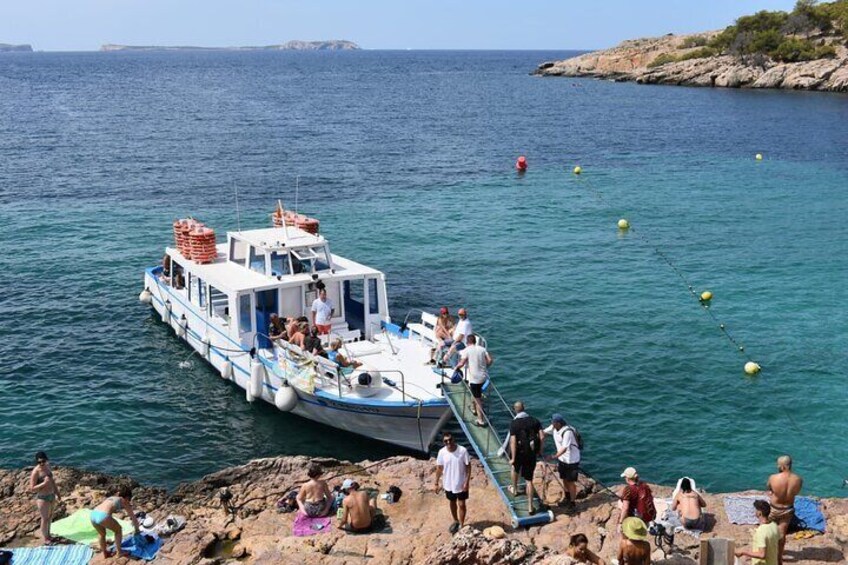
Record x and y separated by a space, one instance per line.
46 493
578 549
689 504
314 498
101 518
444 333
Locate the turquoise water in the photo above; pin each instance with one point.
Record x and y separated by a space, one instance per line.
406 159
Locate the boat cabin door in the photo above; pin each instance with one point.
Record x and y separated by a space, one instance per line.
266 304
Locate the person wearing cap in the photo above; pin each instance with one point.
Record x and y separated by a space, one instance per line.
478 360
461 332
636 498
443 333
766 542
567 456
634 548
358 509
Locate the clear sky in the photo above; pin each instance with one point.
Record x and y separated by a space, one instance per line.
374 24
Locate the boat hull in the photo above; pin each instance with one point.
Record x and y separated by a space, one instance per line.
410 425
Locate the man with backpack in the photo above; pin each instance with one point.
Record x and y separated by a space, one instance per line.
636 498
525 442
568 445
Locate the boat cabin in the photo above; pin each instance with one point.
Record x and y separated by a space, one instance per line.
279 270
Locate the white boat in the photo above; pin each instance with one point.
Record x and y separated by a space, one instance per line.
222 306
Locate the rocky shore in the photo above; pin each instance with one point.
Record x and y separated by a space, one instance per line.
632 61
255 532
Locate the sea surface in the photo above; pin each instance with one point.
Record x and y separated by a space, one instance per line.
407 160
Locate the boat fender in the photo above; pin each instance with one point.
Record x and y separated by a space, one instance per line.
166 312
286 398
227 370
521 164
254 387
146 297
182 325
207 347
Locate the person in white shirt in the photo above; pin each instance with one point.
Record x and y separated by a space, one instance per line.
478 360
461 332
322 311
453 473
567 456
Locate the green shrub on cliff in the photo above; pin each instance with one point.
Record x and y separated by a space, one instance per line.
665 58
694 41
662 59
765 33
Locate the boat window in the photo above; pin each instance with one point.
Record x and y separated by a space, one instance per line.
238 251
257 260
280 263
219 305
244 314
189 286
322 263
201 293
302 260
373 297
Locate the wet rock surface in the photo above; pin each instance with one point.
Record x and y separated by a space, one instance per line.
246 527
629 61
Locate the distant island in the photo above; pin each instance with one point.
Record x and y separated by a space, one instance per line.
806 49
295 45
7 48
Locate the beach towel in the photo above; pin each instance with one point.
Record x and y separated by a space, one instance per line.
52 555
77 527
808 512
142 546
305 526
740 509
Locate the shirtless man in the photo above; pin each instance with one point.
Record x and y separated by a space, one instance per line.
46 493
689 504
314 498
783 486
358 509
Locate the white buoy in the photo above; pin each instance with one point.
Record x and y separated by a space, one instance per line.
227 370
254 386
758 157
166 312
146 297
182 326
752 368
286 398
623 224
578 170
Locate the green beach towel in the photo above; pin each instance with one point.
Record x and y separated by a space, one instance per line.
77 527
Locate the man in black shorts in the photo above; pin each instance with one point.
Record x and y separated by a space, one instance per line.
478 360
525 442
567 457
453 473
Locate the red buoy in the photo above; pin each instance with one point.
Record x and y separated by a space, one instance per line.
521 164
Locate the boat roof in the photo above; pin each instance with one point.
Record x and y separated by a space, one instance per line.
230 277
272 239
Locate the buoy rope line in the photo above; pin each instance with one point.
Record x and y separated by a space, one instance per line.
751 367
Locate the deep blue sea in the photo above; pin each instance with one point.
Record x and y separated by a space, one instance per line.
407 160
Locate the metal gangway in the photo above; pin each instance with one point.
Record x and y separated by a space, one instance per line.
493 451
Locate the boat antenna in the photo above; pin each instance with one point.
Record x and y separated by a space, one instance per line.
296 192
238 214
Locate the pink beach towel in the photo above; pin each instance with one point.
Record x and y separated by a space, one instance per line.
306 526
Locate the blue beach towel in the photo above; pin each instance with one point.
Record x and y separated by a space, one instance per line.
52 555
809 512
142 546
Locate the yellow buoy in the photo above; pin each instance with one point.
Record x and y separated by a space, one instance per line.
623 224
577 170
752 368
759 157
706 296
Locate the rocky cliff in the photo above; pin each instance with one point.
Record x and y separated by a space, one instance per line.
296 45
5 48
635 60
253 531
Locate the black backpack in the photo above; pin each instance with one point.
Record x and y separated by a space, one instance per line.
524 444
